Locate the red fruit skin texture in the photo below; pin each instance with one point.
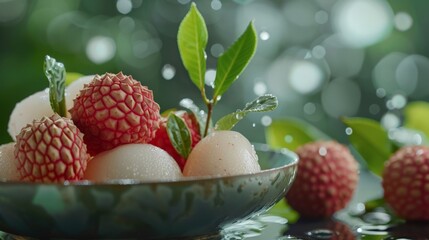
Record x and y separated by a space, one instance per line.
162 140
114 110
51 150
326 179
405 183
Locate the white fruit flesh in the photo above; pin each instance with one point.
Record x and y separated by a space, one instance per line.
33 107
222 153
8 164
37 105
74 88
143 162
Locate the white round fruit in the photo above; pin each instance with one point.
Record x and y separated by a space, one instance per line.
222 153
74 88
32 107
143 162
8 164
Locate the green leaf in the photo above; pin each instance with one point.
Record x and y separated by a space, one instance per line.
72 76
167 112
200 115
192 40
179 135
56 74
416 116
263 103
282 209
291 133
233 61
371 141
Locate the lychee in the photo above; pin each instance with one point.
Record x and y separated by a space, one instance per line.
326 179
406 182
51 150
143 162
163 141
113 110
222 153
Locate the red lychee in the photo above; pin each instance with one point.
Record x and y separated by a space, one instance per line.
51 150
162 140
406 182
113 110
326 179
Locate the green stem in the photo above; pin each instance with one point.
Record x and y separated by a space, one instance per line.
209 114
62 109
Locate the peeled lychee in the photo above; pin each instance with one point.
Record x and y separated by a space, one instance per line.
142 162
31 108
51 150
326 179
222 153
406 182
8 164
113 110
163 141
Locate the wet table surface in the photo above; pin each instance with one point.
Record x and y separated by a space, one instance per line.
351 223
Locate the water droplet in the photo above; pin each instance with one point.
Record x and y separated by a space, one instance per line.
377 218
323 151
253 124
238 116
218 98
186 102
266 121
288 138
349 131
272 219
321 234
168 72
210 77
357 210
379 230
264 35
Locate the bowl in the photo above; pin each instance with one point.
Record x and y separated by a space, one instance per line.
194 207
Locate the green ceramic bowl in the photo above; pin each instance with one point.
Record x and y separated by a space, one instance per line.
130 209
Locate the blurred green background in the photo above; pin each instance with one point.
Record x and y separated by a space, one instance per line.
322 58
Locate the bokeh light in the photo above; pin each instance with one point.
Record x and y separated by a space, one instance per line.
323 59
362 23
100 49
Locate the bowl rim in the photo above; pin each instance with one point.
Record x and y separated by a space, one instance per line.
185 180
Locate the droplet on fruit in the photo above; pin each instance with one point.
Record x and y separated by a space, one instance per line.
31 108
8 164
222 153
143 162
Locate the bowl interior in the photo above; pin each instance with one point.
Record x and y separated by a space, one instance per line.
156 210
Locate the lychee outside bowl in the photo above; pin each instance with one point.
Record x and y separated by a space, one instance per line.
156 210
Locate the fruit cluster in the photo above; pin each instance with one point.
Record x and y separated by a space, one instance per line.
115 131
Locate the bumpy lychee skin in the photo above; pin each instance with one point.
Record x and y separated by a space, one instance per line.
326 179
162 140
51 150
406 182
113 110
